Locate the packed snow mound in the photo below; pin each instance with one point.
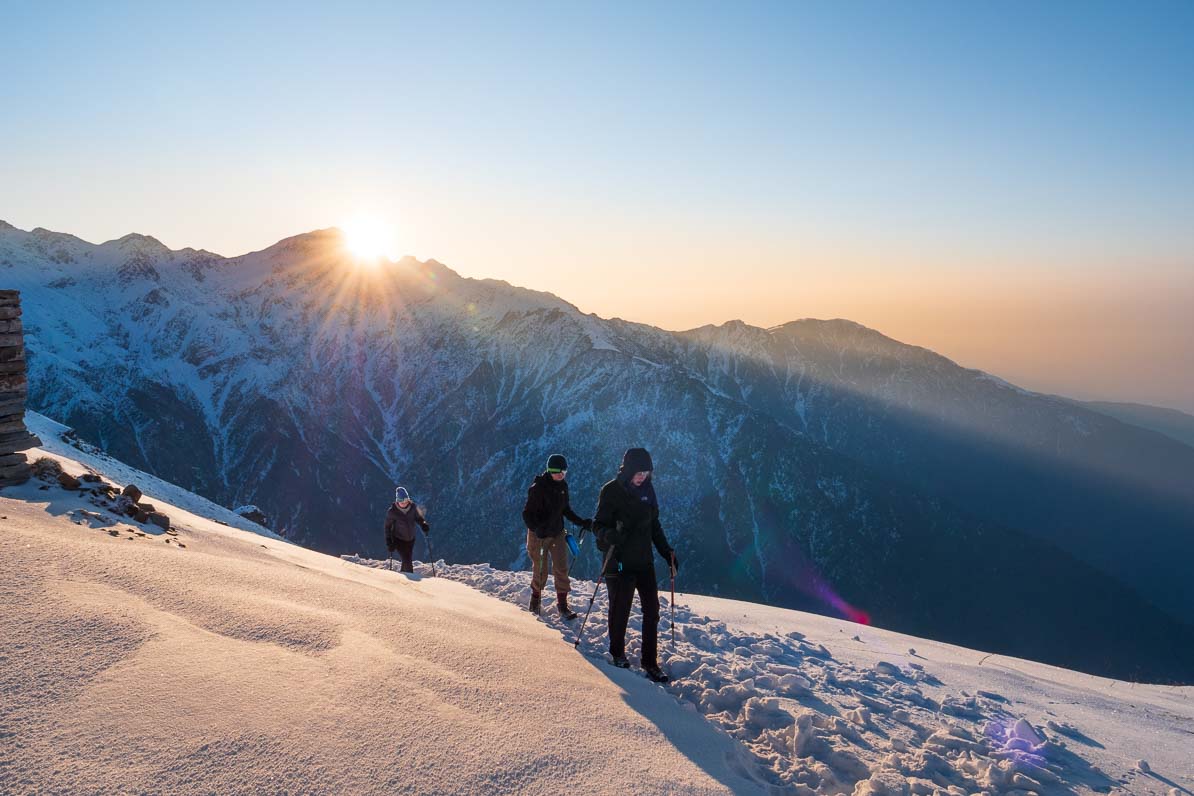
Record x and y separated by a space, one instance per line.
882 720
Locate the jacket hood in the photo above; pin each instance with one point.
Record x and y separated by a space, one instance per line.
635 460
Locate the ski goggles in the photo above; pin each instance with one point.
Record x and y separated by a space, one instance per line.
554 470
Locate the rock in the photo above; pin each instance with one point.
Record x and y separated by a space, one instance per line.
125 506
141 515
147 507
91 478
14 383
68 481
20 441
1144 767
9 459
161 520
884 667
15 470
253 514
132 493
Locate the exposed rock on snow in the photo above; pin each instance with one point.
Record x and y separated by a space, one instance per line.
253 514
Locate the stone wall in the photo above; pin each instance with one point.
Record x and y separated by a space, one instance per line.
14 386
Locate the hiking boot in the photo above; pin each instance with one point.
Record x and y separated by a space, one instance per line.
566 613
656 674
620 661
534 606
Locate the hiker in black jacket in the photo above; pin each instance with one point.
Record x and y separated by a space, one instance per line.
546 507
628 521
401 519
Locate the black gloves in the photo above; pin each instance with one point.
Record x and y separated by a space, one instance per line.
587 525
674 560
426 530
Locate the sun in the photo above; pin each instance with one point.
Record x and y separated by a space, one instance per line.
369 239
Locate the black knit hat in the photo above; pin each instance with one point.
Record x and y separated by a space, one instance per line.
556 463
636 460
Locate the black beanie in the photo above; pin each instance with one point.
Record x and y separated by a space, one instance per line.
556 461
636 460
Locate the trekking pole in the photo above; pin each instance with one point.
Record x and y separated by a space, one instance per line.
541 570
596 589
673 556
430 554
390 563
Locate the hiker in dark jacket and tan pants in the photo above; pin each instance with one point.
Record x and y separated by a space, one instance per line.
628 521
402 518
546 507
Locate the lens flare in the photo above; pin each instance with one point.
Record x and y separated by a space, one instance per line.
803 577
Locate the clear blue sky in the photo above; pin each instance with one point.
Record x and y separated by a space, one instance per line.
910 165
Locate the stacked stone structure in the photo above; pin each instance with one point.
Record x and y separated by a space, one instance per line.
14 387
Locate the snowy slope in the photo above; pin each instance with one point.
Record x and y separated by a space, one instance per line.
834 707
238 663
242 663
58 442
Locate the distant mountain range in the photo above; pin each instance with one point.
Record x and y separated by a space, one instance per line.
1170 422
817 464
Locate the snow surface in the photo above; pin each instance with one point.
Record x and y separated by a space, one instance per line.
242 663
828 706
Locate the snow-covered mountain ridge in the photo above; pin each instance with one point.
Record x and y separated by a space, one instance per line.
241 663
818 464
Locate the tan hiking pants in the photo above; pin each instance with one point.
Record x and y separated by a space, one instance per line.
540 549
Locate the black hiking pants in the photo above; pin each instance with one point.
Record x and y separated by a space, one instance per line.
622 586
405 551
